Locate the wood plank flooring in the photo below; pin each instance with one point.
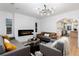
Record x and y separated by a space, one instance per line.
74 50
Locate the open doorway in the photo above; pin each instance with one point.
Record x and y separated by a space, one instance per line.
69 28
65 26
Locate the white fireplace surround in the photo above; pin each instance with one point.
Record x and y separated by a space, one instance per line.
24 38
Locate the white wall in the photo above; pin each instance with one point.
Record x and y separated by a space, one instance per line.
24 22
48 24
3 16
19 22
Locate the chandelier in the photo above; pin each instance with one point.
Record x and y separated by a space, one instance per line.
46 11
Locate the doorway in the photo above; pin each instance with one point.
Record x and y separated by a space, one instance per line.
69 28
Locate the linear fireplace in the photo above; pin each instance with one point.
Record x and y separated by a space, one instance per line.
25 32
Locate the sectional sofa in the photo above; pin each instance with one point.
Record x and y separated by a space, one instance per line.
25 50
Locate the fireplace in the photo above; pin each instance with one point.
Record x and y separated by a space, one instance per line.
25 32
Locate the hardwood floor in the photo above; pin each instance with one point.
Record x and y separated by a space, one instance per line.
74 50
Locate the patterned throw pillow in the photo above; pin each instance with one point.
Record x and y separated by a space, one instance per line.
9 46
46 35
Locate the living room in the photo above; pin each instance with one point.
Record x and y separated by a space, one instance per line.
21 27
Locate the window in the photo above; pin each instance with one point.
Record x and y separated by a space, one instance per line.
8 26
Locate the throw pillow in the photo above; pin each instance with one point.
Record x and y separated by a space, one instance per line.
9 46
46 35
6 37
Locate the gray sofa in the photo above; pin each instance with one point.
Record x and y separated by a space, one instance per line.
47 51
25 50
18 52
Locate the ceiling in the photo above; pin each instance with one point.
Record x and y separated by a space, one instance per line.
30 9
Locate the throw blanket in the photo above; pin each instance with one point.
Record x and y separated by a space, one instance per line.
65 41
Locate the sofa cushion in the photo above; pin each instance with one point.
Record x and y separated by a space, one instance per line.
59 46
49 51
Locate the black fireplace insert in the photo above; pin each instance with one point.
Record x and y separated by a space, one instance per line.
25 32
